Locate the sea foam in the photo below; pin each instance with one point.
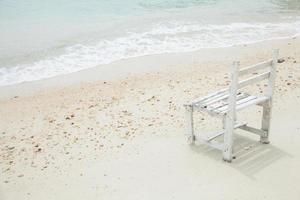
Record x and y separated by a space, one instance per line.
167 37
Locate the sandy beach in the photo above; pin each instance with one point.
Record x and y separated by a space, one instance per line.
117 132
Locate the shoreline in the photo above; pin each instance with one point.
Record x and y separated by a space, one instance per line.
111 135
137 66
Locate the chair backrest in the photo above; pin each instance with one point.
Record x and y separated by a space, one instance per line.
269 73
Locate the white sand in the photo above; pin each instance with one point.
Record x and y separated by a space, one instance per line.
123 138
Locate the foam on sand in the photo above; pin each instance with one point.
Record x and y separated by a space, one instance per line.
167 37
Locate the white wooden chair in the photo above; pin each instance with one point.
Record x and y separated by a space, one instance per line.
227 102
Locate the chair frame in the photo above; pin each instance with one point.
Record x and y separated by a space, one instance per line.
229 116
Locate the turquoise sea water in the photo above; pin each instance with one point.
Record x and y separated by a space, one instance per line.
41 39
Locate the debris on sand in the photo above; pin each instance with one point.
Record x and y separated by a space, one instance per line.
280 60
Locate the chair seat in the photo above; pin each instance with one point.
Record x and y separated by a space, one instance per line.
217 103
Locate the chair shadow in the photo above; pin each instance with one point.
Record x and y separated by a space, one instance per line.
251 156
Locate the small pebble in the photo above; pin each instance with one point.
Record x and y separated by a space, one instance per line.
280 60
11 148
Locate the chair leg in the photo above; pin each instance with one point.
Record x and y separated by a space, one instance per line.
266 118
228 139
190 124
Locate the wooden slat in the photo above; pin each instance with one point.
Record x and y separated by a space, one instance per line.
214 99
253 102
208 96
252 130
208 111
213 135
215 145
218 105
225 102
246 103
255 67
240 101
254 79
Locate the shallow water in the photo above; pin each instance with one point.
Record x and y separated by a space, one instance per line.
41 39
